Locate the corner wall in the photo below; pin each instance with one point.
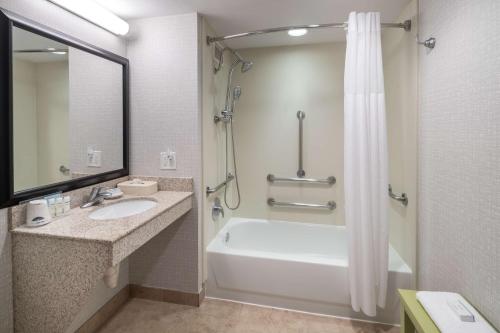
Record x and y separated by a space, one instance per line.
459 143
165 113
214 92
400 56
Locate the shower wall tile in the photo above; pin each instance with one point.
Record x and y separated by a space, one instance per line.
459 146
165 114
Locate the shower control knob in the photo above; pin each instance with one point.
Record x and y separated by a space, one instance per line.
217 209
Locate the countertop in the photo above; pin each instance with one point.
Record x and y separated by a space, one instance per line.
76 225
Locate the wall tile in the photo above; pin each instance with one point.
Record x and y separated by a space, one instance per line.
163 54
459 144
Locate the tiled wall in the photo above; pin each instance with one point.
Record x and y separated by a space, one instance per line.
95 111
459 146
57 18
163 54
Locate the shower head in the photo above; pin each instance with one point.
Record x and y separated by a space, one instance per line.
246 66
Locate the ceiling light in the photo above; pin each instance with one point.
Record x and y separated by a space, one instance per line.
313 25
297 32
59 52
96 14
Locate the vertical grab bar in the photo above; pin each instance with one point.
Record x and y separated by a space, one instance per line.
301 173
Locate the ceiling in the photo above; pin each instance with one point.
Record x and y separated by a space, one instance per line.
25 40
235 16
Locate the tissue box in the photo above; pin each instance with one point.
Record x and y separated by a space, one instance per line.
138 187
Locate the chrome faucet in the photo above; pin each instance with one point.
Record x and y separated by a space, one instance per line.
217 209
96 197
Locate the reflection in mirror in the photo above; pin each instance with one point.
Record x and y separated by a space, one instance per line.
67 112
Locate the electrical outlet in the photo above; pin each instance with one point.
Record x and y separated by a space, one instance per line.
168 160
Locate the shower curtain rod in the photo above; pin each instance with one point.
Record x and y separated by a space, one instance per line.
406 25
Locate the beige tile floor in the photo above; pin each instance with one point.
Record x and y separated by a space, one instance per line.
215 316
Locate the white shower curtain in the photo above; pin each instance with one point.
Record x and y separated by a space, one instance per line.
365 164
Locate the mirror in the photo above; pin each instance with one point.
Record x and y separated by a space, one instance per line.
58 90
68 113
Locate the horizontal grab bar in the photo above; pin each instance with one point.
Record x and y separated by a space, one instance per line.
211 190
330 180
403 198
331 205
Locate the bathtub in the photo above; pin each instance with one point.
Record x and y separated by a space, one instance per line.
299 266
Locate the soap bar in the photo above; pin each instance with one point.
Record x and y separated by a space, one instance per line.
138 187
461 311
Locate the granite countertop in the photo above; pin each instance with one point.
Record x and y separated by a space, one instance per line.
76 225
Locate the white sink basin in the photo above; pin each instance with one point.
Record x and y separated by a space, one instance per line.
122 209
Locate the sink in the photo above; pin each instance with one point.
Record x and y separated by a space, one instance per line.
123 209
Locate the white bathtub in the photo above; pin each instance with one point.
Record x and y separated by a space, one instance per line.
291 265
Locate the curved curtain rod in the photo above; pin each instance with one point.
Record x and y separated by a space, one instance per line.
406 25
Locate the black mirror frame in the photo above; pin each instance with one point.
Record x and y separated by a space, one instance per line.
8 197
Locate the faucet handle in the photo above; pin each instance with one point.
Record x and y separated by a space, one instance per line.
217 209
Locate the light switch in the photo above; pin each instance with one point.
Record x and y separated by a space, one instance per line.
94 158
168 160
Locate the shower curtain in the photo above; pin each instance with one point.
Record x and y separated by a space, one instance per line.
365 164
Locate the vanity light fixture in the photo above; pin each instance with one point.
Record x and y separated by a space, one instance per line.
56 51
95 13
297 32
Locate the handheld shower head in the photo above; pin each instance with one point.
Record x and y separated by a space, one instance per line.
246 66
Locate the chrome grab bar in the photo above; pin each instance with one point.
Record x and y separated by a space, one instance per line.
300 172
401 198
331 205
221 185
330 180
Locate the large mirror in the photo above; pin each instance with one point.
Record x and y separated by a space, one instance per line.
68 113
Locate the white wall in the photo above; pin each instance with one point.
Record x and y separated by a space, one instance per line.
25 125
57 18
52 109
41 122
282 81
165 113
400 56
459 147
214 91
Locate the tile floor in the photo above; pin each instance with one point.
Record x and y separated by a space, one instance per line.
215 316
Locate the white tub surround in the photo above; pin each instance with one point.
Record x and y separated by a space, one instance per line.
298 266
56 266
366 164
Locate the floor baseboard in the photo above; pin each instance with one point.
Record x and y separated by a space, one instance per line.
166 295
106 312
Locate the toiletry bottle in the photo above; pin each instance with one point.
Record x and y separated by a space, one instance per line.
59 206
67 204
52 207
